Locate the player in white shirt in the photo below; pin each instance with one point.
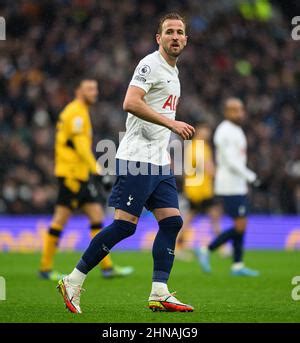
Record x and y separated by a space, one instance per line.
151 102
232 177
145 141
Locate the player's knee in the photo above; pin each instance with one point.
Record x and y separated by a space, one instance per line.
60 218
58 224
125 228
94 219
125 216
173 224
59 221
240 228
94 213
215 213
240 224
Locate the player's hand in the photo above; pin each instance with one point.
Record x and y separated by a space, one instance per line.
261 184
257 183
107 181
251 176
182 129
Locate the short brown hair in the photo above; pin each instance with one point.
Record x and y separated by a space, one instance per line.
172 15
78 81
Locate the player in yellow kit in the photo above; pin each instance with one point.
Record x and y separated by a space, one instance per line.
76 171
199 193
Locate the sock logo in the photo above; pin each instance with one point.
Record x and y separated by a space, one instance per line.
170 251
242 210
130 198
105 248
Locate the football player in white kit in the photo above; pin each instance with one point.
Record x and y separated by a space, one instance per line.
150 101
232 176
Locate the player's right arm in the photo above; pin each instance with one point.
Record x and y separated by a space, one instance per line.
134 103
83 149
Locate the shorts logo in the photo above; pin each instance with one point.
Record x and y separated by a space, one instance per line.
170 251
242 210
93 190
130 198
144 70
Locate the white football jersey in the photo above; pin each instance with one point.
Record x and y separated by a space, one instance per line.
144 141
232 173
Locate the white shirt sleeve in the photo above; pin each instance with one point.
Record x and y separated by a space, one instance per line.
230 155
144 75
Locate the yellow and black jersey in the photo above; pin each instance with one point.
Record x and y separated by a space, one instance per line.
202 187
74 159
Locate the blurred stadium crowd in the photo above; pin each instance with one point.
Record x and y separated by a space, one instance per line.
51 43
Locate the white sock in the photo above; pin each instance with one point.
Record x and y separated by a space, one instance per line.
76 277
237 266
159 288
204 249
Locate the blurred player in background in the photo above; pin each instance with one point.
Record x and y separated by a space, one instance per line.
150 101
200 194
231 180
76 170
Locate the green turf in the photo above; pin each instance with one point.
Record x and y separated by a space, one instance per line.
216 298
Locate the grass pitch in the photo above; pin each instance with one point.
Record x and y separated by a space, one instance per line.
218 297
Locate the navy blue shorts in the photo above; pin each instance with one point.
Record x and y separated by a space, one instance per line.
235 205
131 192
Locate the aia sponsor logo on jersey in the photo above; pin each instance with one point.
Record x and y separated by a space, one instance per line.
171 103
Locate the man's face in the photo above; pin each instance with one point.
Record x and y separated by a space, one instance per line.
235 111
172 38
88 90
